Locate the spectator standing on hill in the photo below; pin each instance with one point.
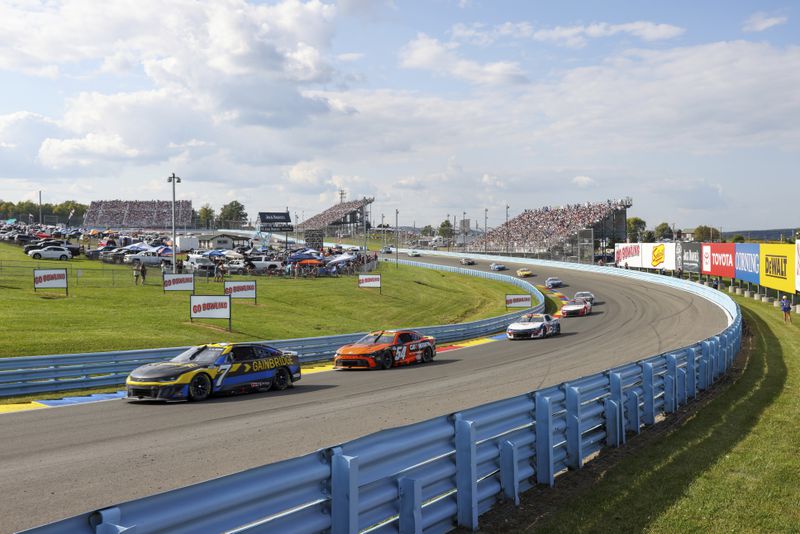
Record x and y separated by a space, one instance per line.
786 308
137 272
144 273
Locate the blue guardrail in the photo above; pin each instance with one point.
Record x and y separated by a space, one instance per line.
431 476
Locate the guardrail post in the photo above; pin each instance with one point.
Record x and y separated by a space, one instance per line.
574 442
509 470
670 379
705 364
344 493
691 370
715 363
634 418
466 474
544 440
613 424
680 394
615 382
108 522
648 379
410 506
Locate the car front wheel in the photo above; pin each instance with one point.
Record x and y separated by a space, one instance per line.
282 379
62 258
199 387
385 360
37 256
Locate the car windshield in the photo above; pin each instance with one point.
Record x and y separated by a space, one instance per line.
581 295
202 354
377 337
531 318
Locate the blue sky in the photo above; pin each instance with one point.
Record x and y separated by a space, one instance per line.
432 107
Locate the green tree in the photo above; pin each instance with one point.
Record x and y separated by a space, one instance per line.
205 216
428 230
738 238
636 227
707 233
25 208
63 210
446 229
232 214
663 231
648 236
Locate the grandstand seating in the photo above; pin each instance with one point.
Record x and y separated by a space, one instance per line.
137 213
333 214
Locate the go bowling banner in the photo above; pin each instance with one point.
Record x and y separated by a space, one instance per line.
658 256
241 289
519 301
629 254
50 279
718 259
369 280
778 267
210 307
178 282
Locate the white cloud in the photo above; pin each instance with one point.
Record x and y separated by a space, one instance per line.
760 21
349 57
583 181
86 151
428 53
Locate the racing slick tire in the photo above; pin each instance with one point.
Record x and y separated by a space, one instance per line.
282 379
427 355
37 256
557 330
386 360
199 387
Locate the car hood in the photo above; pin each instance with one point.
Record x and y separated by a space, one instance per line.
162 370
362 348
525 326
572 306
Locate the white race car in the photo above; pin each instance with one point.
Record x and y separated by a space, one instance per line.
552 282
414 253
585 295
576 308
534 325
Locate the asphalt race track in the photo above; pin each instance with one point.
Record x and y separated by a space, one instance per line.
58 462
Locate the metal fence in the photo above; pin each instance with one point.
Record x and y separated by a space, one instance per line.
431 476
62 372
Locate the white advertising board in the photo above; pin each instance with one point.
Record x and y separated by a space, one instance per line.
241 289
49 279
658 256
178 282
519 301
369 280
210 306
629 254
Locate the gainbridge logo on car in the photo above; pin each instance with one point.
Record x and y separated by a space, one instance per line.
658 255
776 267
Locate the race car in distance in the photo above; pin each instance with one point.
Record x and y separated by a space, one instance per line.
205 370
585 295
576 307
524 272
534 325
552 282
384 349
467 261
497 267
414 253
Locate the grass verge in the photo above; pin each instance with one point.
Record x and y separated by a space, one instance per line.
727 463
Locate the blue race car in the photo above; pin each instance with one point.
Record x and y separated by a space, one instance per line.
497 267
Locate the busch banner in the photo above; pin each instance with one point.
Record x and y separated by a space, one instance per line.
628 254
718 259
178 282
49 279
241 289
369 280
777 270
687 257
658 256
210 307
748 264
519 301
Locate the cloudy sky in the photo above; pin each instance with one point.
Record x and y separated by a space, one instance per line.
431 106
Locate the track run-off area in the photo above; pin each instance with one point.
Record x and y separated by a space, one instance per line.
58 462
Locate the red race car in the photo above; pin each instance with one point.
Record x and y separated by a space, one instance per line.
385 349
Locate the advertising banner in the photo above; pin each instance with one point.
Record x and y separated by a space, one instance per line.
49 279
369 280
797 265
629 254
687 257
718 259
275 221
658 256
178 282
241 289
210 307
777 270
519 301
747 263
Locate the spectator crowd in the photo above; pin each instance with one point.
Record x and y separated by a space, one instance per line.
137 213
333 214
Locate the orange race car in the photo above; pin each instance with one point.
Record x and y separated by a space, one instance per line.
385 349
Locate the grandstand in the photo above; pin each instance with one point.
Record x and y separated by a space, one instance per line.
546 229
342 218
137 214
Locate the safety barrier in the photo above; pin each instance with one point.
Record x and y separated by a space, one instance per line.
431 476
37 374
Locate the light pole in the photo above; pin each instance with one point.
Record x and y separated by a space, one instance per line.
448 237
507 236
174 180
383 229
396 238
485 229
464 229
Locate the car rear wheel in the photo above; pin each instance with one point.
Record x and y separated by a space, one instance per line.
282 379
37 256
385 360
427 355
62 257
199 387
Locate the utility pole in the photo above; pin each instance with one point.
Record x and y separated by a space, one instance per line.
485 229
383 229
507 236
448 237
174 180
396 238
40 207
464 228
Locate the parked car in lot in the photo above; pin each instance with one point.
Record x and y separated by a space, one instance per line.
50 253
151 259
94 254
196 263
75 250
113 255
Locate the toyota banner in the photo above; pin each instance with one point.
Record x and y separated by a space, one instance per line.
718 259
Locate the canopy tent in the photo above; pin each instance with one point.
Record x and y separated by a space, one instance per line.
342 258
164 251
138 247
216 253
233 255
309 262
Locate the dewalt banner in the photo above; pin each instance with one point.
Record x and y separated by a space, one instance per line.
777 267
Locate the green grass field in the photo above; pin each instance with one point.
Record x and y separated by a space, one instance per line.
104 311
732 466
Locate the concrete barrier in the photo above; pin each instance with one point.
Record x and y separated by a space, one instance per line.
797 309
731 289
758 296
740 291
748 294
766 299
776 303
